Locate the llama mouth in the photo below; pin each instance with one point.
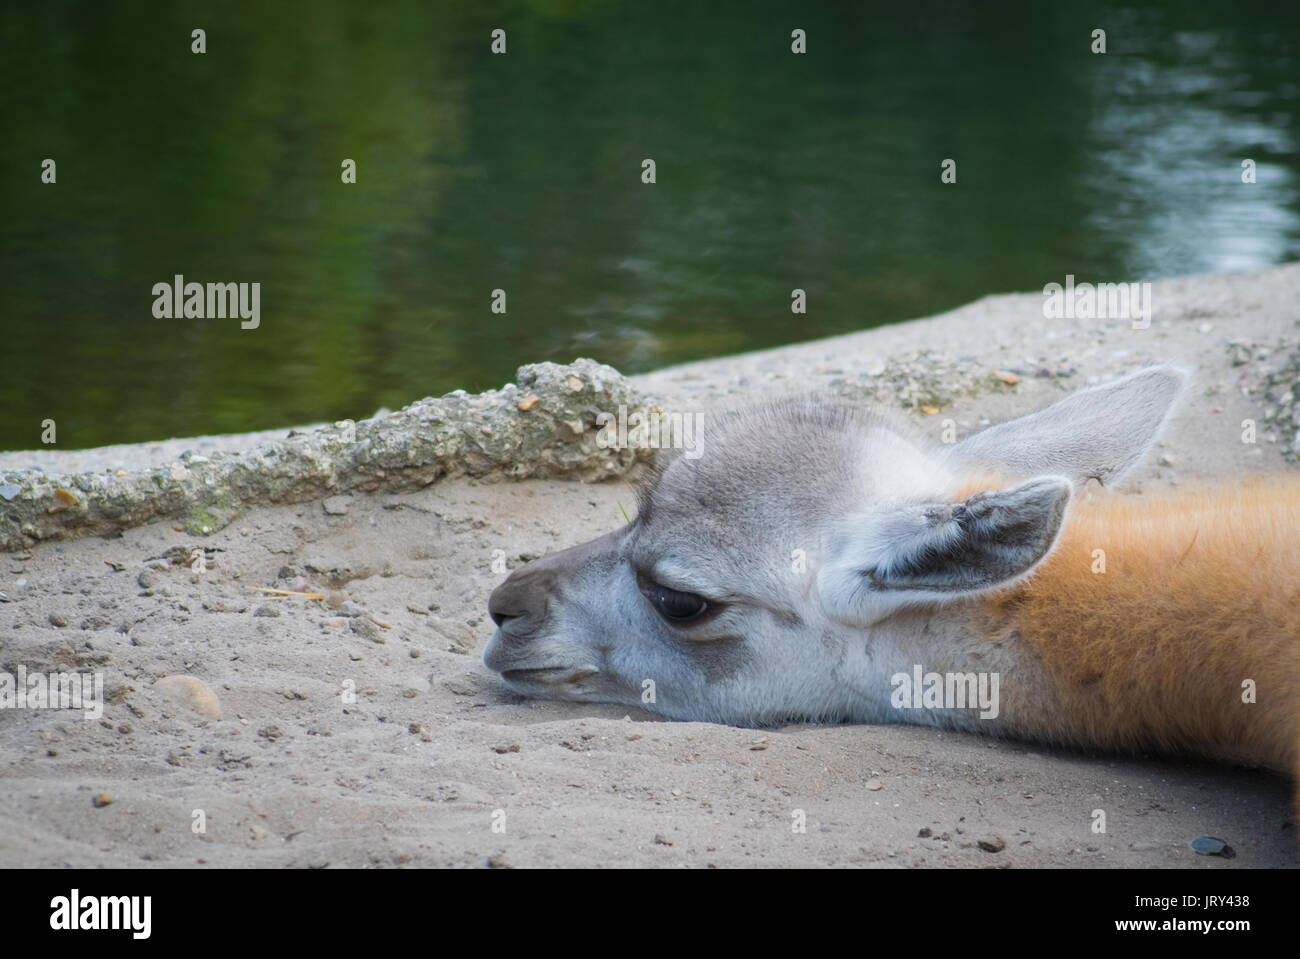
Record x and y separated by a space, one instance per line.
548 675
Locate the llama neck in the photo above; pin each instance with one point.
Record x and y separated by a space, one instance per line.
1155 624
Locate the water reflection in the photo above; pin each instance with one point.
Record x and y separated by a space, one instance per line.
522 173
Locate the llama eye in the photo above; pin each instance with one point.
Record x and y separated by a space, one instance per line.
674 605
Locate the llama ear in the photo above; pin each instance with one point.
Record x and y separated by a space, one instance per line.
931 553
1098 433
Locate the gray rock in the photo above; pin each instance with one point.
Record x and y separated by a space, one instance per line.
406 450
362 626
1211 846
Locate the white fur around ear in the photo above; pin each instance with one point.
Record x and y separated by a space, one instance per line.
927 553
1098 433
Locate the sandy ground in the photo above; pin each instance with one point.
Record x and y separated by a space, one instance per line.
434 763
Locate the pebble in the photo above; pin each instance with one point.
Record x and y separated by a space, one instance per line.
1211 846
362 626
193 693
996 844
267 609
101 800
874 785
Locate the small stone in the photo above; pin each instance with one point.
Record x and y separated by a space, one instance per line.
337 505
58 619
1211 846
193 693
271 732
179 473
362 626
9 491
267 609
512 748
350 608
996 844
661 841
101 800
1166 460
874 785
925 833
527 403
62 500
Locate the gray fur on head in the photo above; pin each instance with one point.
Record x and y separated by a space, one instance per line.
807 555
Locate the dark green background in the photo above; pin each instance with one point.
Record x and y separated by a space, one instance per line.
522 172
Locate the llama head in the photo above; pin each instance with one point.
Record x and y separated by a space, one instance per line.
758 580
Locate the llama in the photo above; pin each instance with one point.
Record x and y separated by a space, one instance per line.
822 561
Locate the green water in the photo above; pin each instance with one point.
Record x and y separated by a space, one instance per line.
522 172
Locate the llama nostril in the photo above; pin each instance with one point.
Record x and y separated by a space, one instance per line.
501 618
508 601
499 615
526 595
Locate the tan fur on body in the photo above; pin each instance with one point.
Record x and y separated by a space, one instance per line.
1201 591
